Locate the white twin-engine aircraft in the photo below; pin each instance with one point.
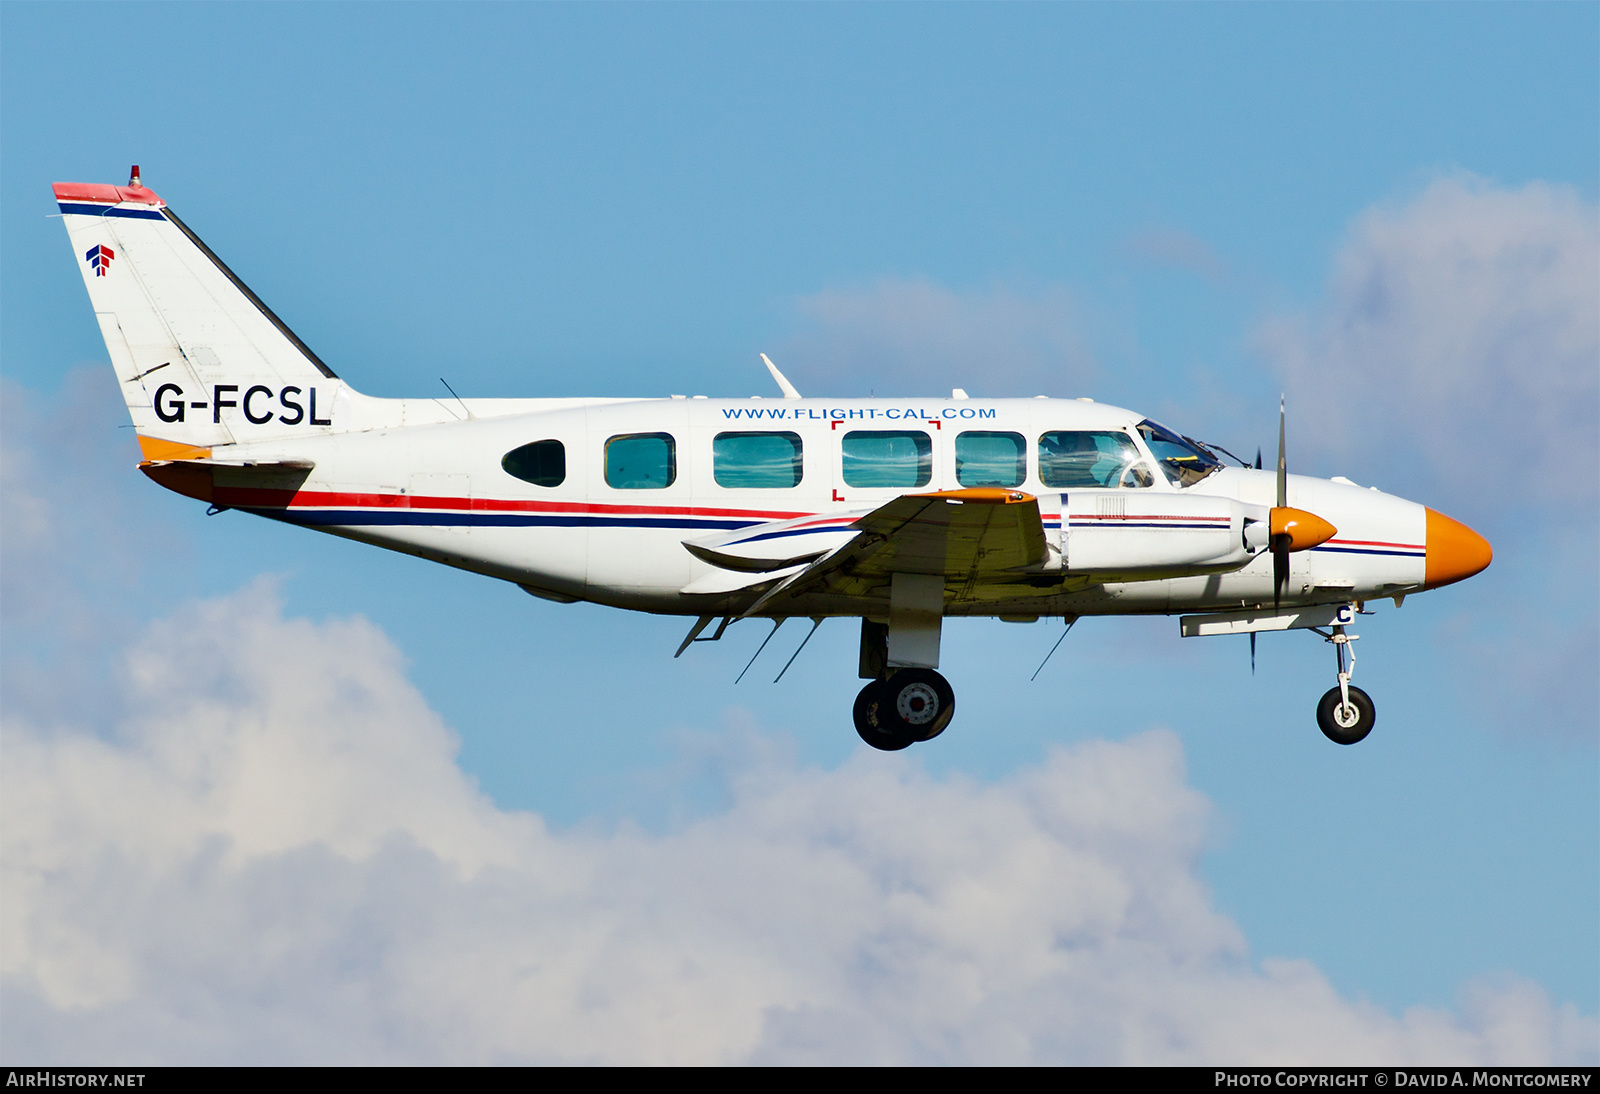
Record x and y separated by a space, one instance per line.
899 512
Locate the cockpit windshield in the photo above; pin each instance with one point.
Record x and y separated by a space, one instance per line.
1182 461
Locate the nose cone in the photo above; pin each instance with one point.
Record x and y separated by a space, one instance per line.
1454 552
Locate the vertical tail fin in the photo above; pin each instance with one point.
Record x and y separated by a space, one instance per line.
201 360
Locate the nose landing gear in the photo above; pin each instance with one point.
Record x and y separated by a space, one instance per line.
1345 714
911 705
1346 719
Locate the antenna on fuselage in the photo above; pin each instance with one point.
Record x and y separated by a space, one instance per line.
1070 620
452 391
784 385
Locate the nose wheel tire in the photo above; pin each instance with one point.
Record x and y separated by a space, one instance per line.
911 705
1346 723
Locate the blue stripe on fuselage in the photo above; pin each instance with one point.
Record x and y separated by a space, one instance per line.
1415 552
424 519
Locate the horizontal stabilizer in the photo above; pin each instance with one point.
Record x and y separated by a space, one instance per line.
744 565
232 483
732 581
776 545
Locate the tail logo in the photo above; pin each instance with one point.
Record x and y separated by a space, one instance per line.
100 258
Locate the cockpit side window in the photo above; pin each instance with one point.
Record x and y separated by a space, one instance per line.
1079 458
1183 462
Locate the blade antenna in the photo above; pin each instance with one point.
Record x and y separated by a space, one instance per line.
1252 653
776 623
1071 619
816 621
452 391
784 385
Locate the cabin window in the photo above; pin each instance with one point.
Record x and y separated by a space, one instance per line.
1080 458
991 459
759 461
543 463
641 461
887 459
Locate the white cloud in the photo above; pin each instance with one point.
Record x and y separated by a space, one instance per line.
1179 249
1459 339
80 542
1455 359
910 336
272 856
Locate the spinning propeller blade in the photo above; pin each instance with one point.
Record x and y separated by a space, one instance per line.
1280 540
1292 529
1283 460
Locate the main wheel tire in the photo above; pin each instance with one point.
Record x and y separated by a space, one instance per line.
1344 724
872 726
919 702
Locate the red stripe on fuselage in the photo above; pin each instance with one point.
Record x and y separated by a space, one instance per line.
328 499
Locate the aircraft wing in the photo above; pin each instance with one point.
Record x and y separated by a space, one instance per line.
965 536
957 533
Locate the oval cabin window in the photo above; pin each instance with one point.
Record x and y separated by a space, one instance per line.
543 463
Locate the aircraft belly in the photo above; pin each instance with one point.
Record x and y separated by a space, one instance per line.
542 555
555 558
641 559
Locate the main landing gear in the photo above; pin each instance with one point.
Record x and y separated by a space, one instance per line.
905 700
910 705
1346 714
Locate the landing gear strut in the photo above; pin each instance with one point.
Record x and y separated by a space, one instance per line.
911 705
1346 714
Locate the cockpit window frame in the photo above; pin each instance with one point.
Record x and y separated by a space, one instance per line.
1191 464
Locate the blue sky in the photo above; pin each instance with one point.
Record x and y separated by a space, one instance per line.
1386 211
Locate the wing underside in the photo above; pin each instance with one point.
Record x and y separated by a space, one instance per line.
970 538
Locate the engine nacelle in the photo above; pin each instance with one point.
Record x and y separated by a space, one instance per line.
1157 533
